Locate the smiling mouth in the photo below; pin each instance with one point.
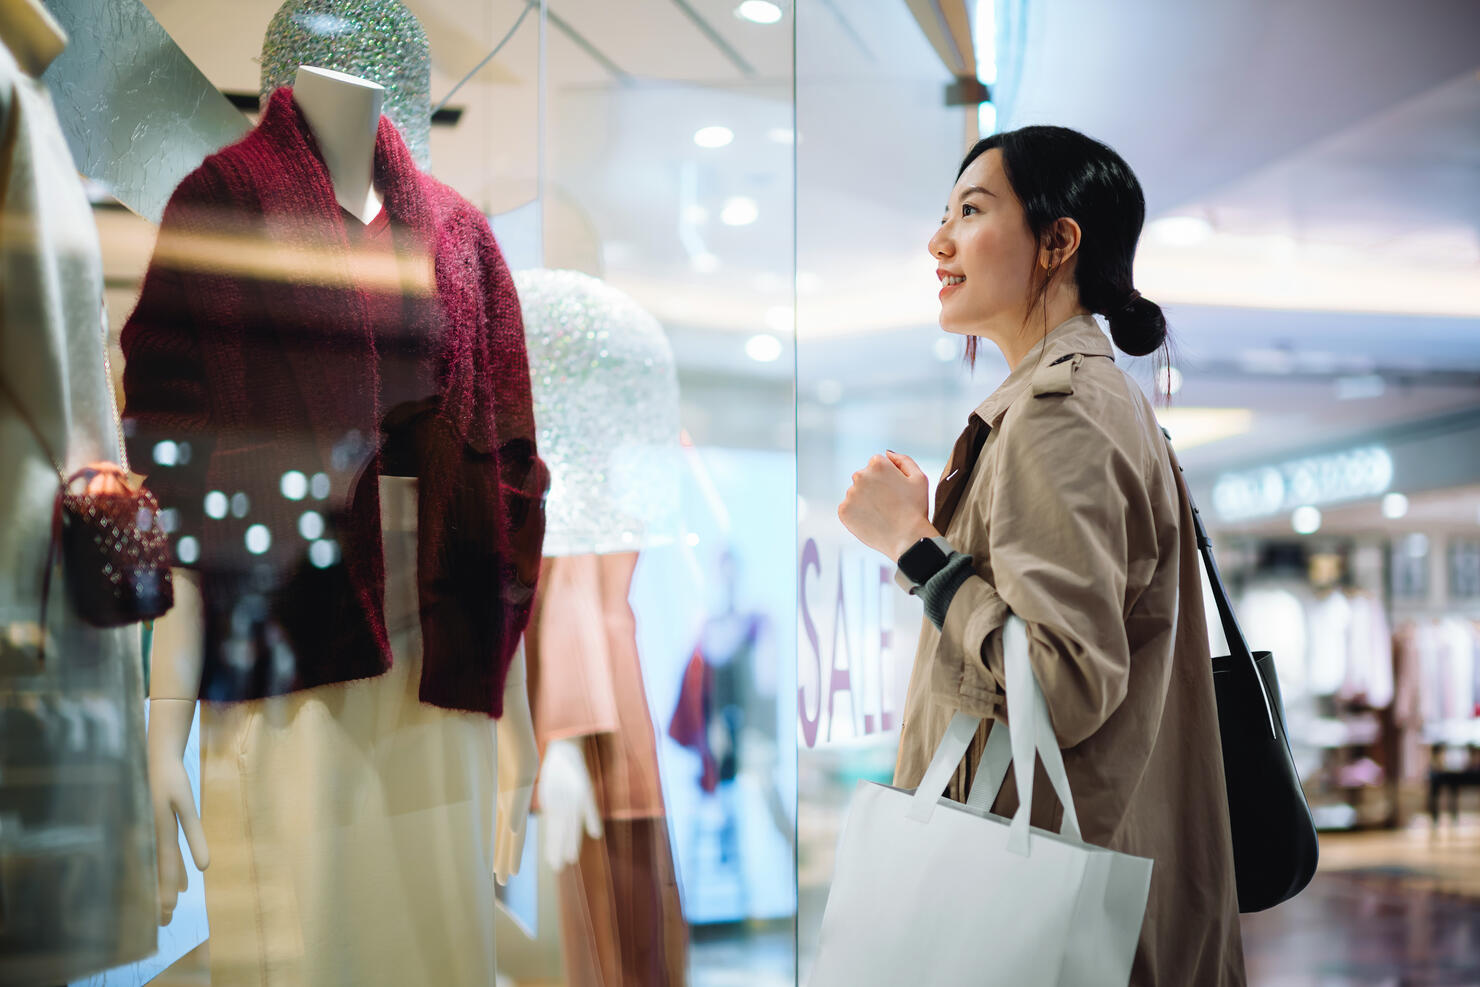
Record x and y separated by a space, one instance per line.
950 281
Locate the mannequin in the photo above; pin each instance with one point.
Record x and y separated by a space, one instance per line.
342 113
377 40
78 848
606 401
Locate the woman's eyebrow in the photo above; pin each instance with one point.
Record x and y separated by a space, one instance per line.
968 190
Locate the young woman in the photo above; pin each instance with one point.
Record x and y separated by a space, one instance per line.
1061 504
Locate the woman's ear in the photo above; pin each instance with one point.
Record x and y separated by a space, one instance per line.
1060 243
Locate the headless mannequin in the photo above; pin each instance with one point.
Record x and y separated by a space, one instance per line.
343 112
33 36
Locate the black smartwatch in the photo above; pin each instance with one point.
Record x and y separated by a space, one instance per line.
924 559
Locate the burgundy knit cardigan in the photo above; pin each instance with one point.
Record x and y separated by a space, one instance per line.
250 368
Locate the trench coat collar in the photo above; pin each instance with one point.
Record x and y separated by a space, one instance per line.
1079 334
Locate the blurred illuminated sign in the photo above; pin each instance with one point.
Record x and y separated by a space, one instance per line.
1349 475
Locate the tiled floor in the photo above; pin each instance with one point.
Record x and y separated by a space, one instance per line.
1386 910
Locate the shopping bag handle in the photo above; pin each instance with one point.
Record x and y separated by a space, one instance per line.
1029 733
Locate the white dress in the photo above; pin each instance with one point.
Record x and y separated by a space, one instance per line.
350 826
78 891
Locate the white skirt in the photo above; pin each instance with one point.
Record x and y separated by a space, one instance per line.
350 826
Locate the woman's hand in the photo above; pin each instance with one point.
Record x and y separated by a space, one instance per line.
886 506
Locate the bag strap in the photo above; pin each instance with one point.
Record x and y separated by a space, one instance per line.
1030 732
1238 646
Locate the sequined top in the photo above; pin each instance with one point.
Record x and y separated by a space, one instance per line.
606 414
378 40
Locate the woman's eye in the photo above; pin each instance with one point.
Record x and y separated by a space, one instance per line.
967 209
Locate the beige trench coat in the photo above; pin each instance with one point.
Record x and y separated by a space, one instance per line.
1076 524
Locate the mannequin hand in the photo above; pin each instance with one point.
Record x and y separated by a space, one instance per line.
885 508
567 803
105 482
511 828
174 802
518 767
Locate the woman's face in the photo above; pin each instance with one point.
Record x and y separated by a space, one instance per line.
983 239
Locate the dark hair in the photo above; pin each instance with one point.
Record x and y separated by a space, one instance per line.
1057 172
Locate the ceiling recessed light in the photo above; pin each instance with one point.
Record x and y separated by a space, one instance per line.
713 136
986 119
945 349
763 348
1394 506
781 135
758 12
1168 380
781 318
739 211
1306 520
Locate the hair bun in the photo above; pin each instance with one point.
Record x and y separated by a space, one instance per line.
1138 327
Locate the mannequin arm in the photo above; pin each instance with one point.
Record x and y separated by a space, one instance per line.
567 802
174 682
518 765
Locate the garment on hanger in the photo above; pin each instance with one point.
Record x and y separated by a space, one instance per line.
1408 702
1369 671
1275 614
272 421
1329 637
621 917
1456 675
78 886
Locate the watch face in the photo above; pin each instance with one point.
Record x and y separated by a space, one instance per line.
922 560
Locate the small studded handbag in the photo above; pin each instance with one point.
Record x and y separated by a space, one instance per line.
114 552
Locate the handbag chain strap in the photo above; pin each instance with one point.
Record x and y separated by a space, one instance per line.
54 546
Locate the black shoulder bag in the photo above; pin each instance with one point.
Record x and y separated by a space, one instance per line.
1274 838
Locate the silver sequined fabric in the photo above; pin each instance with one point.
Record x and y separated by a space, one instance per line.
606 414
378 40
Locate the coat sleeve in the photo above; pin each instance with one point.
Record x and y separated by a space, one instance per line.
502 424
167 422
1064 496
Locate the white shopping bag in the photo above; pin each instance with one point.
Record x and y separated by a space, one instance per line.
929 892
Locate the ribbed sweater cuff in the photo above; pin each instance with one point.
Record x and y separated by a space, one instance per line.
940 589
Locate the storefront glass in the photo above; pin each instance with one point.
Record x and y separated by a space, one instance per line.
326 388
613 300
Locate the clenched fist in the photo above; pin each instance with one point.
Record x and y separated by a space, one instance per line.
886 507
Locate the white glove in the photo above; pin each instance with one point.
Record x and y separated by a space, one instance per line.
567 803
174 802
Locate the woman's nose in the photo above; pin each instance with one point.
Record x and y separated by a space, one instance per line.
939 244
